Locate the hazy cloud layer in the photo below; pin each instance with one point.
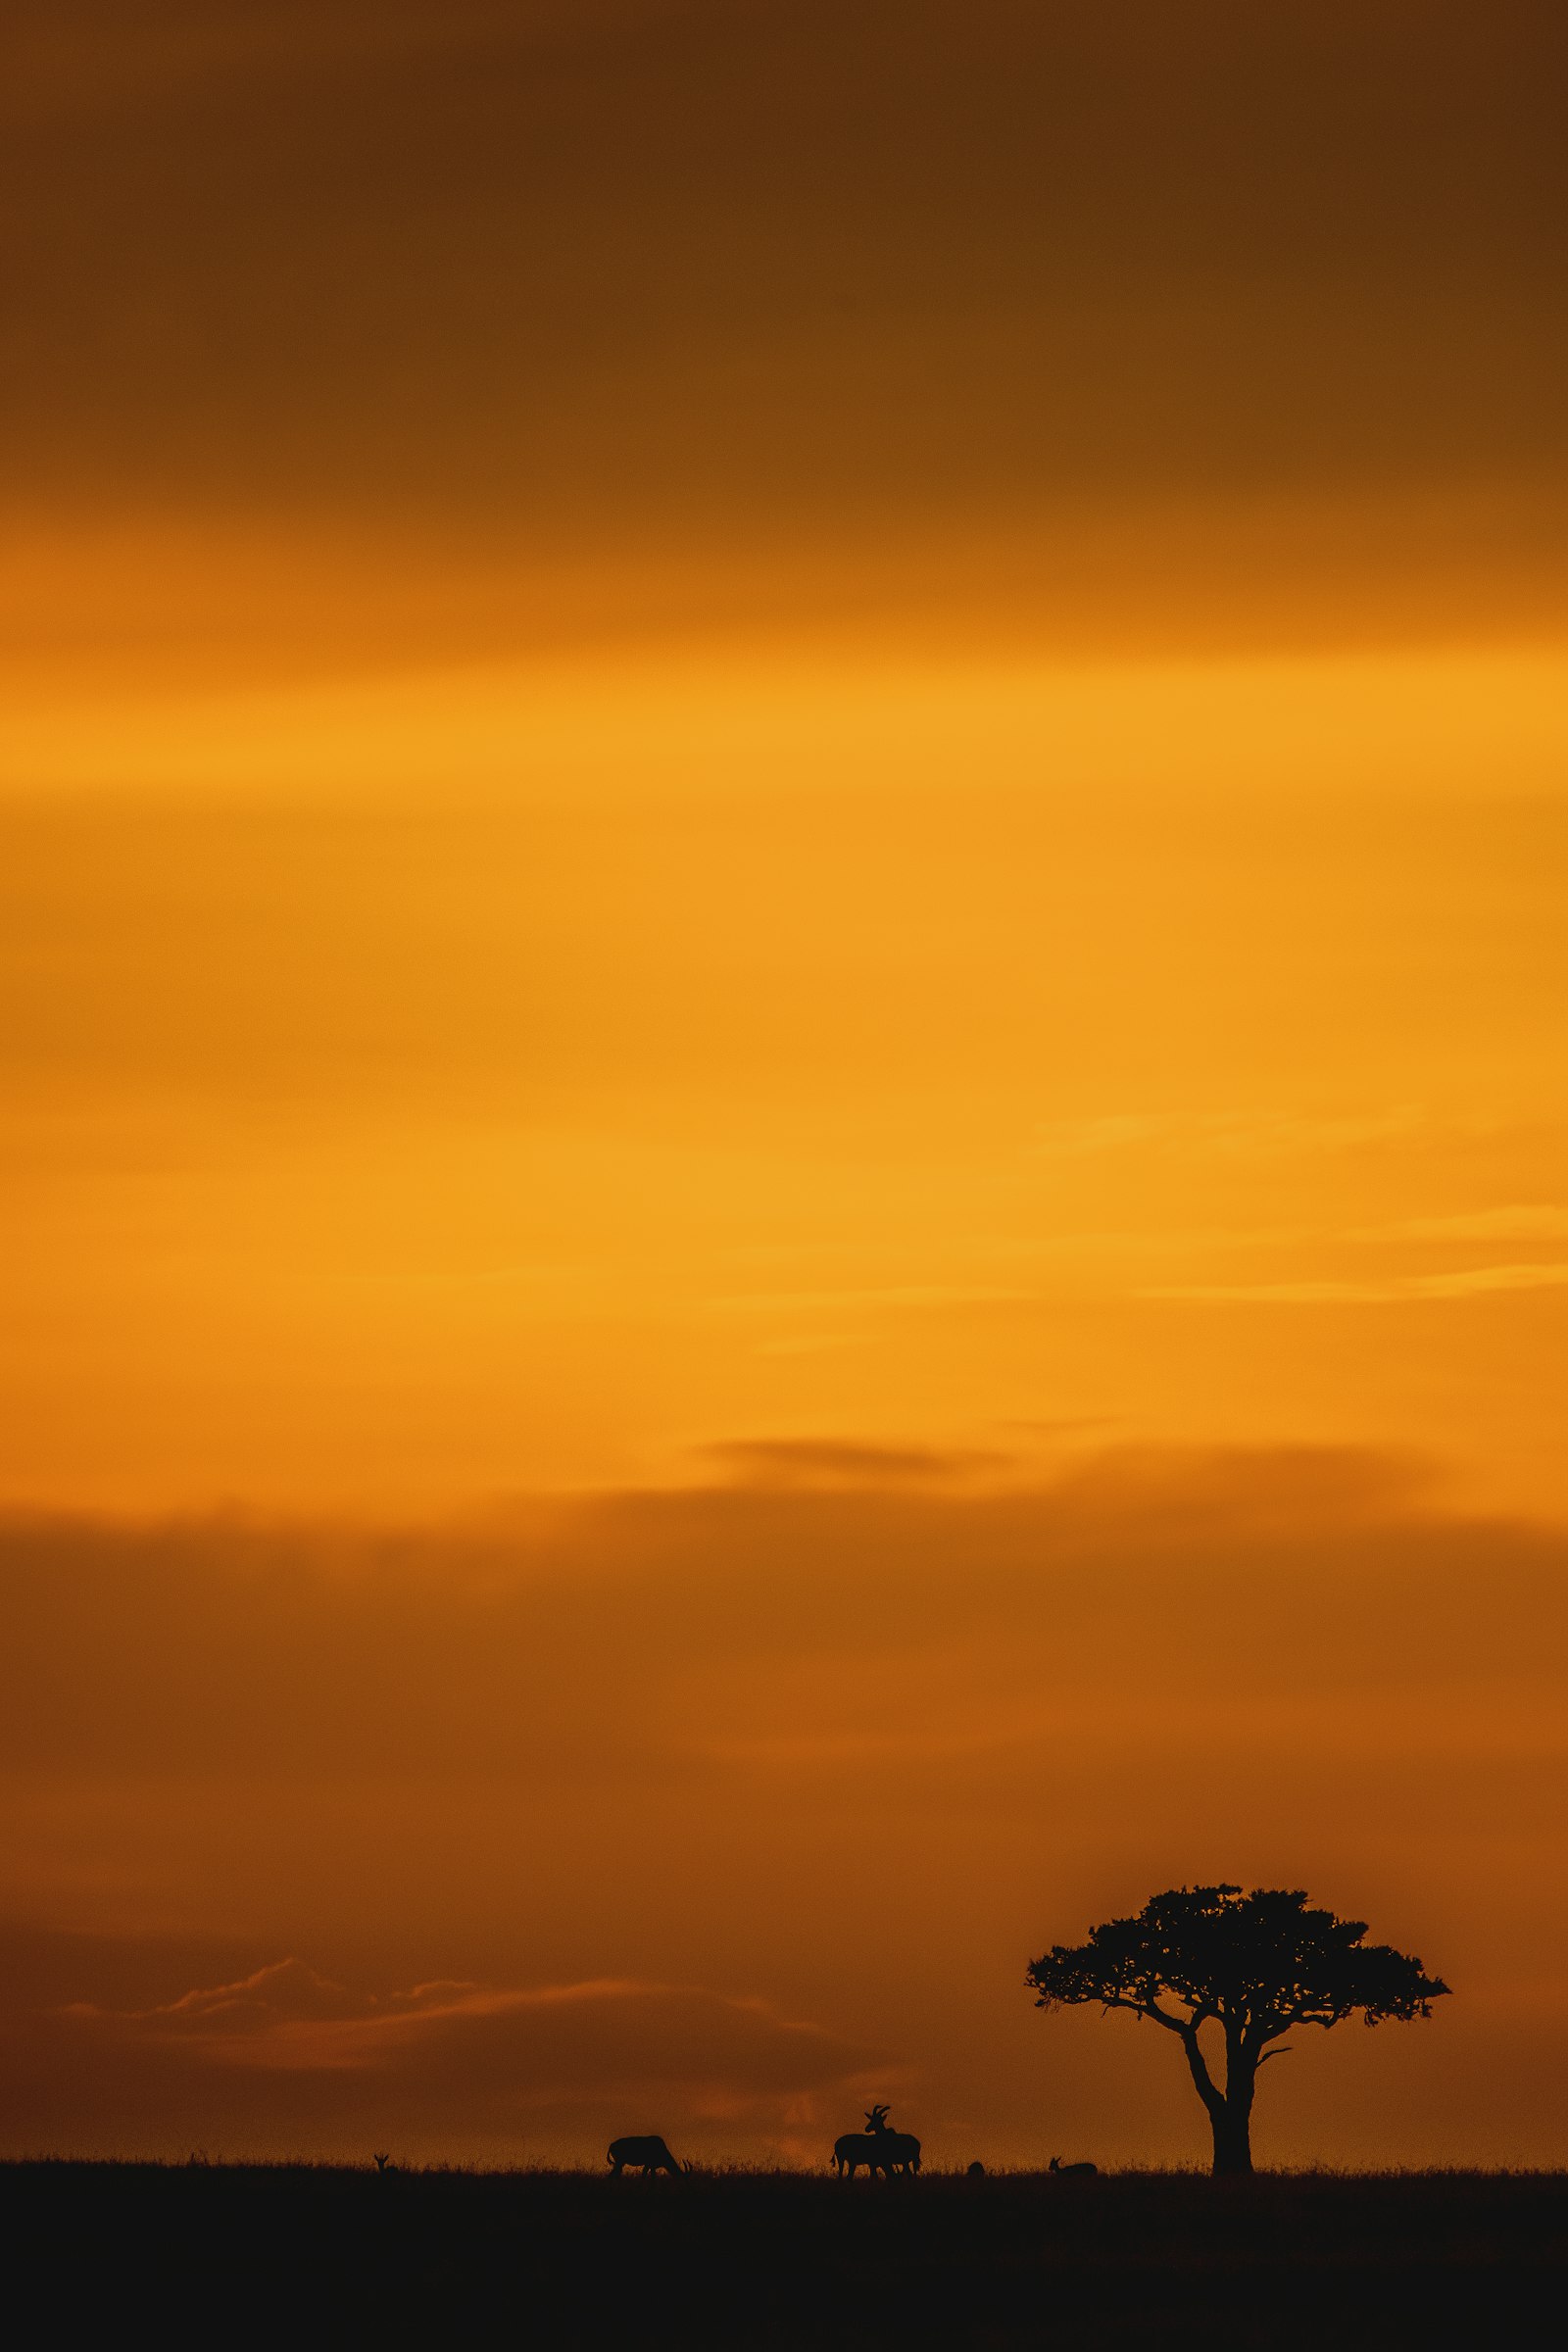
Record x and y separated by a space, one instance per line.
700 1808
624 277
614 1628
285 2056
576 925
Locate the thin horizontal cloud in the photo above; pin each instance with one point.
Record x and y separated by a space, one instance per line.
1543 1222
809 1343
828 1461
1225 1134
889 1297
1399 1290
1043 1738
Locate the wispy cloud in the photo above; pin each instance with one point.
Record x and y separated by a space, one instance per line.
287 2018
1471 1281
1541 1222
809 1343
833 1461
892 1297
1231 1134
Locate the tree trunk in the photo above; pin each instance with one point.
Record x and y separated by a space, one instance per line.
1232 2116
1230 2111
1232 2120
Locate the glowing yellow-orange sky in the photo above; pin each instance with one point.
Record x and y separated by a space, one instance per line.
784 1135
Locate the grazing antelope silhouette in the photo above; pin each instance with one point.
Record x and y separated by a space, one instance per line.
648 2154
878 2148
1067 2169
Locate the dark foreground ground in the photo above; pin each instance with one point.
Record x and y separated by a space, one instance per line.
307 2255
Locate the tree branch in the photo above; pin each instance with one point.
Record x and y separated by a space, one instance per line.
1202 2081
1161 2017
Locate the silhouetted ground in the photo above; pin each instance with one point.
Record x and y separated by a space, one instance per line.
314 2254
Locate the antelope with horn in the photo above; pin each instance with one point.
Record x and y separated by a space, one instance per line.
878 2148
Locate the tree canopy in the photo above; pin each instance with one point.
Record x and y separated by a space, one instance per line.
1256 1965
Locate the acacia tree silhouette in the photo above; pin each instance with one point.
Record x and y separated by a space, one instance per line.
1256 1965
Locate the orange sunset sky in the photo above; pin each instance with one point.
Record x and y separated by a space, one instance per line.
783 1140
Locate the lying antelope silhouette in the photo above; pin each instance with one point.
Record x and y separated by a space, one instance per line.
1067 2169
648 2154
878 2148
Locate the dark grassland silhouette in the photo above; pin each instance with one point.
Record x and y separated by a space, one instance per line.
304 2255
329 2255
1256 1965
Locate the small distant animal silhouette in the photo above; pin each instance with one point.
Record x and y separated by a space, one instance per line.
648 2154
977 2171
383 2162
878 2148
1067 2169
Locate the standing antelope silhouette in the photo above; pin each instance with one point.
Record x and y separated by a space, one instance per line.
878 2148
